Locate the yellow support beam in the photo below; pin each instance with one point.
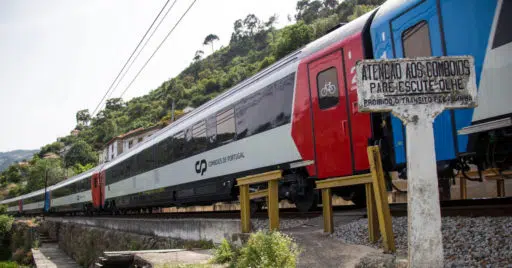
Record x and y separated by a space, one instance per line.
260 178
500 188
327 210
344 181
373 219
271 178
463 188
245 210
273 204
379 190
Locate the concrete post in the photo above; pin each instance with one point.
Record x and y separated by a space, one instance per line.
424 215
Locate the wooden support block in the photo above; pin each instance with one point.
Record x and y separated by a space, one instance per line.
381 201
245 211
258 194
500 187
327 210
373 220
463 188
273 205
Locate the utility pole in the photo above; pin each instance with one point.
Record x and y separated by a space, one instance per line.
172 111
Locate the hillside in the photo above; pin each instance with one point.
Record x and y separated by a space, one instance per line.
254 45
8 158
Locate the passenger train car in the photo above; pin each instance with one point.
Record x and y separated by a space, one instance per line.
300 115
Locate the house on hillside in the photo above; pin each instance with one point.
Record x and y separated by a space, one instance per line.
125 142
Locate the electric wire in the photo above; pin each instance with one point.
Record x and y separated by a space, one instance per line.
156 50
126 63
140 50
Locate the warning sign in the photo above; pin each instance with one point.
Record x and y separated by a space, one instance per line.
439 82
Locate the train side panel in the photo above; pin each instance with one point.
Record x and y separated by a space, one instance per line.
467 26
433 28
327 125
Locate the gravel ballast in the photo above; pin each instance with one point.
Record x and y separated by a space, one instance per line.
467 242
263 224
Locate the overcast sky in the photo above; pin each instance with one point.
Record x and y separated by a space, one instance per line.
58 57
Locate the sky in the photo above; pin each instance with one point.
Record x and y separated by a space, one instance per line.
60 56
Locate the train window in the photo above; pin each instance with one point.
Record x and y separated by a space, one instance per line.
416 41
199 137
503 34
211 131
225 126
178 146
327 86
265 109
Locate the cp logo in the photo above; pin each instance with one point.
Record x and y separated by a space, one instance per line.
201 167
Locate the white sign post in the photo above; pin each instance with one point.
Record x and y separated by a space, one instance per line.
416 91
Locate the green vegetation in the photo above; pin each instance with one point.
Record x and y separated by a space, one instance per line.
8 264
254 45
263 249
224 253
5 228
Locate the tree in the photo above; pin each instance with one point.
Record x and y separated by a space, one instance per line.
44 172
251 22
55 148
330 4
209 40
293 37
198 55
83 117
80 153
270 25
114 104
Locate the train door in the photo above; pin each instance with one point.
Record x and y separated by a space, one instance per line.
418 33
97 189
330 121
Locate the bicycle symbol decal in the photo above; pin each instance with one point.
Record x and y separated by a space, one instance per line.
328 90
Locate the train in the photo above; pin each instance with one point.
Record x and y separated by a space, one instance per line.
300 115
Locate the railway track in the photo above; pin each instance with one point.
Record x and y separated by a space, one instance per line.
492 207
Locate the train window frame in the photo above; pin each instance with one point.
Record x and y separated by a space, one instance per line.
502 35
211 131
222 122
411 32
326 102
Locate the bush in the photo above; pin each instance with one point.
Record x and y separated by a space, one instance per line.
262 250
8 264
5 224
268 250
224 253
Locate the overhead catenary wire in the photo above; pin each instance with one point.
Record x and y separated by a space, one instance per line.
126 63
141 49
156 50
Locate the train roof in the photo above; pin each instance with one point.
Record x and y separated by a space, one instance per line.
5 201
75 178
272 73
25 196
391 9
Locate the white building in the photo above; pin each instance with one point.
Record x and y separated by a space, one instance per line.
125 142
